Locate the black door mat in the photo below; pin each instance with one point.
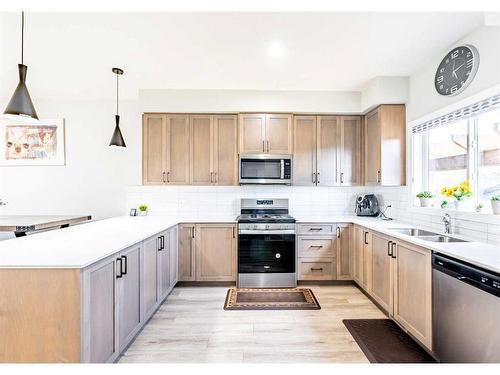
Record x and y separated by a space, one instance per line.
382 341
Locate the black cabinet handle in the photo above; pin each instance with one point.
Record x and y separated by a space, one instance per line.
124 263
317 177
393 252
341 177
366 240
389 248
162 242
316 269
119 275
338 232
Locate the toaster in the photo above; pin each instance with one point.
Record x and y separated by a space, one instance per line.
367 205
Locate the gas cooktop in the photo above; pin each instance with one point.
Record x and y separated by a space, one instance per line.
265 218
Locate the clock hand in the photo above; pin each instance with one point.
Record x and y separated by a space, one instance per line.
453 70
459 67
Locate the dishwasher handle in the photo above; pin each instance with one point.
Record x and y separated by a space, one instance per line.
477 277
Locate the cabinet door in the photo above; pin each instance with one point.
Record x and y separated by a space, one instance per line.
163 266
100 293
328 151
357 268
225 146
174 263
252 133
129 295
278 134
393 145
215 252
344 248
367 261
186 252
350 150
382 275
304 157
150 296
178 149
372 148
201 148
413 291
154 156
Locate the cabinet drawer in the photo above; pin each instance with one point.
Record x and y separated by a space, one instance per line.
317 269
316 247
323 229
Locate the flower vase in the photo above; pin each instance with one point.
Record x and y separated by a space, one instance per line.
461 205
495 207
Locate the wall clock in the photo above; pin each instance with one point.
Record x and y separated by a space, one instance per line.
457 70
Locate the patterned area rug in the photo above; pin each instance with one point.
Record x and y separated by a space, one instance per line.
271 299
383 341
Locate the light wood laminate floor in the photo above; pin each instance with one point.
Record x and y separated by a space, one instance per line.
192 327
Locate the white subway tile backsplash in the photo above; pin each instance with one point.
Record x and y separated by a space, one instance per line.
205 202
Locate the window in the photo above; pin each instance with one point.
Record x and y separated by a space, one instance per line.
466 149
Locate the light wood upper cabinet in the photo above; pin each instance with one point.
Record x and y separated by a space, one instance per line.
304 157
265 133
382 275
186 252
327 150
201 168
215 252
385 146
252 133
279 134
225 150
178 147
413 291
154 158
328 147
350 150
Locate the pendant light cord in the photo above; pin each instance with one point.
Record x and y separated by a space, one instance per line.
22 38
117 94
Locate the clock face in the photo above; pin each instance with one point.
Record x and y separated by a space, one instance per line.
457 70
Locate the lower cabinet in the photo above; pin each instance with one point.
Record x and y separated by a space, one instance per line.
121 292
400 281
207 252
323 251
362 258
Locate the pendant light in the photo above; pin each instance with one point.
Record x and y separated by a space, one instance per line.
20 104
117 138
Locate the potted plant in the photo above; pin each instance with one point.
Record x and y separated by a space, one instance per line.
495 204
143 209
479 207
460 192
425 198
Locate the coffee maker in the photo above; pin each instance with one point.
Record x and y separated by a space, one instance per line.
367 205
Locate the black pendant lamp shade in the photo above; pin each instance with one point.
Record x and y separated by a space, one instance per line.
20 104
117 138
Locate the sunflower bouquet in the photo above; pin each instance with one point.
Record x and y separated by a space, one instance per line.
459 192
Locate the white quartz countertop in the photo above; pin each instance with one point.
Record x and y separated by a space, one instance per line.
81 245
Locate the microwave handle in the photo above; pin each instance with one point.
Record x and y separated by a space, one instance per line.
282 174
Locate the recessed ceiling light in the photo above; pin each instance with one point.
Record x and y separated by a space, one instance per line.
276 50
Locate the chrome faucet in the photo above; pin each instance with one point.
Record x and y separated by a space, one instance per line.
382 214
447 223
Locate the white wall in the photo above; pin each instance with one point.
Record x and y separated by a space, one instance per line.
94 178
423 97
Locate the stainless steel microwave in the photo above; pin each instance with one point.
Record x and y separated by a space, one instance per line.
265 169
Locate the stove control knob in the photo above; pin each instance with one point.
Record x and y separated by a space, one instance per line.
278 255
267 226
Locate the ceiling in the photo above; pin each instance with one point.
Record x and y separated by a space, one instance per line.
71 54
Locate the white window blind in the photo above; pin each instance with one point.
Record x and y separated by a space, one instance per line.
475 109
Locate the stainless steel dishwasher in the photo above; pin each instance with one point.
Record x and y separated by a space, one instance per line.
466 307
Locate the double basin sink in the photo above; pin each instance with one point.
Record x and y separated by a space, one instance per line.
426 235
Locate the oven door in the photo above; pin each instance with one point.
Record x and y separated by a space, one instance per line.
265 169
266 253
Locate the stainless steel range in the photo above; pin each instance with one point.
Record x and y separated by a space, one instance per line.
266 244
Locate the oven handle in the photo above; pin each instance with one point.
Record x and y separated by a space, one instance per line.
270 232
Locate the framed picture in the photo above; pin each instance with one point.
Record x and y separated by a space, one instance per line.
37 143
